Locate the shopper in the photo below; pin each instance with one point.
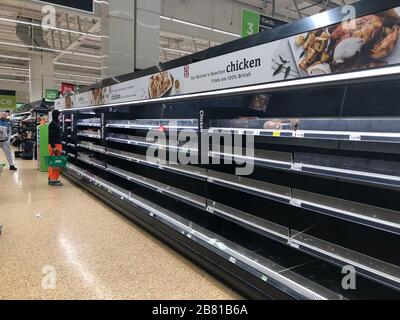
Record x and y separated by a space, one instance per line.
5 135
55 147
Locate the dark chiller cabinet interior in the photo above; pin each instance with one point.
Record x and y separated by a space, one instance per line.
322 194
319 204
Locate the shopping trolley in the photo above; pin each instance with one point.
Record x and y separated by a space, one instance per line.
1 169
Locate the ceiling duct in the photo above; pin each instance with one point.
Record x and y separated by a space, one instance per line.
31 35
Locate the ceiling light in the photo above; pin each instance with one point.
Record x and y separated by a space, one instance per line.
14 57
73 81
175 50
49 27
13 68
200 26
76 65
14 75
49 49
12 80
77 75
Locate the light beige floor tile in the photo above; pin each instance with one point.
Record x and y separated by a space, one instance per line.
96 253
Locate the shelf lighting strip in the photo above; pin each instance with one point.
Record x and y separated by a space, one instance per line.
346 261
300 202
89 124
212 179
152 164
149 144
380 176
240 157
91 148
386 73
88 135
161 188
212 209
256 132
149 127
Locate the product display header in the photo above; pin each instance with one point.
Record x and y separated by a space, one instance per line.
367 42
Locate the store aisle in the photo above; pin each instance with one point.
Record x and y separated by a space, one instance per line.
64 244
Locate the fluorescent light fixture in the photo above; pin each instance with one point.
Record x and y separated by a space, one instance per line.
176 50
73 81
14 75
318 80
77 75
76 65
14 57
49 49
14 68
50 28
200 26
12 80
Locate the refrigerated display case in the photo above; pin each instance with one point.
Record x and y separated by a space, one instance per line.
320 200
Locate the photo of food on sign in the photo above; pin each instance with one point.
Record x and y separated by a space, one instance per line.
366 42
160 84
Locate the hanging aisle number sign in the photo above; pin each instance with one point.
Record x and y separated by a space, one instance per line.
254 22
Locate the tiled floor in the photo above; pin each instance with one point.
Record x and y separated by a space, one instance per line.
65 244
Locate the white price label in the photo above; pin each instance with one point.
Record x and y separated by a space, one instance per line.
355 137
294 245
299 134
211 210
240 131
295 202
232 259
297 166
264 278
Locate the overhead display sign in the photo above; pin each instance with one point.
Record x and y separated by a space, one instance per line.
254 22
319 52
84 5
8 100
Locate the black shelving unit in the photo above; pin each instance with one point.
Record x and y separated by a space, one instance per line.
322 195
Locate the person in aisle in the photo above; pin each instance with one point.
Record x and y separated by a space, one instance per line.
55 147
5 135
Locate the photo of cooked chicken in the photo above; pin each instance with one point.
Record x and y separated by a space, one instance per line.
386 45
160 84
365 28
360 43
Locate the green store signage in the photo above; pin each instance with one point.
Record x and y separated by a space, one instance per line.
8 100
51 94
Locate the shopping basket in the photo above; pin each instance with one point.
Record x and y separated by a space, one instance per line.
56 161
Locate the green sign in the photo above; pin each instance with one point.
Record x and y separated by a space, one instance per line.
51 95
254 22
250 23
8 100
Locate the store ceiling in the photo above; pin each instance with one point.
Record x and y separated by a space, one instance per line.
77 54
